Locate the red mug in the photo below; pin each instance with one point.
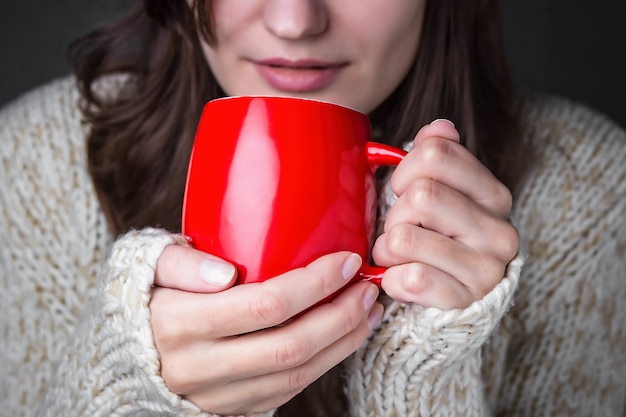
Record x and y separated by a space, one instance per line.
275 182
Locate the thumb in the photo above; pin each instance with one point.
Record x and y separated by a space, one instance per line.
187 269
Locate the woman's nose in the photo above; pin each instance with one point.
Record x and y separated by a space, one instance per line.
295 19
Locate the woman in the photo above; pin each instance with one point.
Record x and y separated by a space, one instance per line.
109 312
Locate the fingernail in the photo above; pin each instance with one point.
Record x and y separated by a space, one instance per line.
350 266
373 318
216 272
370 296
442 120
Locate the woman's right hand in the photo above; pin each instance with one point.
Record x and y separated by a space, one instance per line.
223 349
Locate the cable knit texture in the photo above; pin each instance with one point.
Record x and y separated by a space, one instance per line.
548 340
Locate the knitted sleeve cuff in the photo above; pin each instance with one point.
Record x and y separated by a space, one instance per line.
113 366
416 348
127 283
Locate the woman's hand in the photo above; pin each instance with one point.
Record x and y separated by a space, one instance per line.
223 349
447 240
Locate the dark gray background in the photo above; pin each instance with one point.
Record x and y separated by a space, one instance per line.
574 48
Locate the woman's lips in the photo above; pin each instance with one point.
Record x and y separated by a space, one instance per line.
298 76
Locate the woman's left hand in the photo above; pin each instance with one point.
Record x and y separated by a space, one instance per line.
448 239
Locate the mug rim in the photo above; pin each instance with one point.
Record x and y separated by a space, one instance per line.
286 98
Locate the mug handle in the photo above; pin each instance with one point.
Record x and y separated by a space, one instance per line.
378 155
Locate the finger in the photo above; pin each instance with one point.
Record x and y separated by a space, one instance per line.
292 345
188 269
436 207
296 379
440 128
411 244
450 163
267 391
251 307
188 372
426 286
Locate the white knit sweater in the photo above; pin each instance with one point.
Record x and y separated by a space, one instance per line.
75 330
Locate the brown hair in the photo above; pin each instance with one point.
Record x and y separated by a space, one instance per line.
139 143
